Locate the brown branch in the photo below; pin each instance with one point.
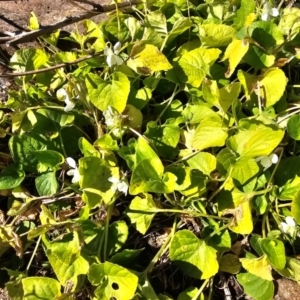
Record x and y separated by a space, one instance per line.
62 65
26 37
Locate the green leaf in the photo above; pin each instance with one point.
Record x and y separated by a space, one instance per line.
94 182
258 266
115 28
54 118
148 171
11 177
228 94
254 143
293 127
94 31
234 53
216 35
287 177
190 294
103 93
139 214
157 21
243 218
221 241
211 132
146 59
193 66
194 114
86 148
47 160
244 169
46 184
247 7
256 287
164 137
183 176
230 263
65 259
193 255
275 251
180 26
126 257
296 207
258 58
40 288
197 186
112 281
28 59
273 92
106 142
140 98
22 149
203 161
118 234
266 34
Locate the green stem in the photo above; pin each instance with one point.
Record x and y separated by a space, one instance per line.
201 289
216 231
178 211
109 211
62 144
221 186
162 249
263 226
33 253
169 103
275 168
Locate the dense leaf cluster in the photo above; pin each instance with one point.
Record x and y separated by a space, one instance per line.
179 120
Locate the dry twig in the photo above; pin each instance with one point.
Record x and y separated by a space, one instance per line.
26 37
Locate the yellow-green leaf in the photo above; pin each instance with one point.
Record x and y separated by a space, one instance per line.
273 84
234 53
258 266
146 59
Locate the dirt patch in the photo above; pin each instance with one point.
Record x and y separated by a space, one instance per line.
14 15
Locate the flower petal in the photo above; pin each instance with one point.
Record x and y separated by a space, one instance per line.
76 176
274 12
69 106
71 162
290 221
274 158
71 172
284 227
123 187
265 17
117 47
113 180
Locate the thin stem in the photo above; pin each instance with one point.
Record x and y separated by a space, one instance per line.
62 144
33 253
109 211
162 249
221 186
217 231
275 168
201 289
169 103
263 229
179 211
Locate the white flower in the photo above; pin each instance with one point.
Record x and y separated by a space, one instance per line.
268 12
112 57
74 172
112 117
63 96
267 161
120 185
289 226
